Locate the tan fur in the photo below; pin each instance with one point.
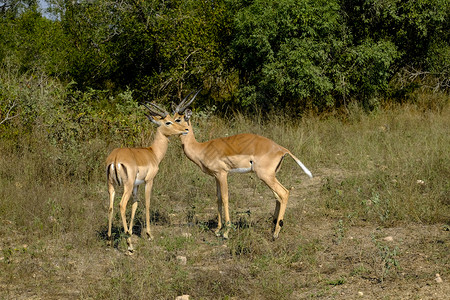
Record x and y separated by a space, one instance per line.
239 153
133 166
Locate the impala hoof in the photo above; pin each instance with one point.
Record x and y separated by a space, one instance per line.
130 249
130 241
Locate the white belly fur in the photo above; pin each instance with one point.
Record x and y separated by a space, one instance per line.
241 170
138 182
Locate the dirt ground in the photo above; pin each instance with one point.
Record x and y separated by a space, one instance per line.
318 255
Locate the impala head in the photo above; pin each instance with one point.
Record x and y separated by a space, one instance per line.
165 122
181 114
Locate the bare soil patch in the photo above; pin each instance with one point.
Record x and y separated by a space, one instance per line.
317 256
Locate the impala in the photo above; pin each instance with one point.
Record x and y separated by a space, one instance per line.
131 167
240 153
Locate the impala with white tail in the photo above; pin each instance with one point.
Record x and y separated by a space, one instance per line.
130 167
240 153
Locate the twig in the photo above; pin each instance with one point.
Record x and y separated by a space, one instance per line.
8 117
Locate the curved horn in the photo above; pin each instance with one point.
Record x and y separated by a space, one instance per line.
162 112
182 106
185 98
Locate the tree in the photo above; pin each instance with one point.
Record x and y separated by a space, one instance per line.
156 48
324 53
418 29
286 51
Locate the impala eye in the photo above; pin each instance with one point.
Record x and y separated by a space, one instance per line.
168 123
178 120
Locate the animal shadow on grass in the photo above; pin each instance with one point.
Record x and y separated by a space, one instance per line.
209 225
117 233
242 221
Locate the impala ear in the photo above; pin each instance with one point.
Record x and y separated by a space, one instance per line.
187 114
153 120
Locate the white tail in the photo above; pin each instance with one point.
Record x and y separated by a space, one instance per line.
305 169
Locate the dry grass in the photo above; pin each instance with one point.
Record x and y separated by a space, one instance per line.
376 175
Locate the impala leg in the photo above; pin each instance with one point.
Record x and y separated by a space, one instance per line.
219 209
112 193
277 209
223 186
123 206
133 209
278 218
282 195
130 228
148 191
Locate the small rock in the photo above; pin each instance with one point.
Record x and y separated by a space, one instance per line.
184 297
438 278
182 260
360 294
388 239
187 235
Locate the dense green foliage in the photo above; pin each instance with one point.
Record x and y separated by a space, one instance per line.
81 63
256 54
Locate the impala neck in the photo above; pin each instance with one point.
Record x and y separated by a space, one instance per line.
190 144
159 145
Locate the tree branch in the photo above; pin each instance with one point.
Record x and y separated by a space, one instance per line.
430 80
10 108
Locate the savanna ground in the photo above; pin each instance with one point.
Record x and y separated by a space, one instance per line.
373 223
